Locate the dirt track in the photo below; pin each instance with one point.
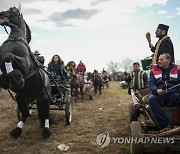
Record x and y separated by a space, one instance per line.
107 113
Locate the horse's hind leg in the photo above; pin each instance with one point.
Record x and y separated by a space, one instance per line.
82 94
22 105
76 93
43 105
100 88
95 88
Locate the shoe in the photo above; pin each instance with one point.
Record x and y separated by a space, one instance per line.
167 128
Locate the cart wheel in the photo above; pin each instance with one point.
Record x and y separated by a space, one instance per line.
136 148
30 108
68 109
107 85
133 113
18 113
91 96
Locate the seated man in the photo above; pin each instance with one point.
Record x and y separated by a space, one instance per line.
164 86
137 78
38 57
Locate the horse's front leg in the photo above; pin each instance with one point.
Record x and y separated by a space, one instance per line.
100 85
12 61
100 88
95 87
22 105
43 105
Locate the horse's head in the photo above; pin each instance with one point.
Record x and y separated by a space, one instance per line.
16 54
14 19
10 17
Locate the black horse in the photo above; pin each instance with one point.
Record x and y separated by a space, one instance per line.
20 73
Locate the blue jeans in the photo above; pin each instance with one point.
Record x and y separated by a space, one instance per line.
155 102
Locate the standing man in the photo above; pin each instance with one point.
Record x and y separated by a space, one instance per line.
137 78
163 45
81 68
164 84
38 57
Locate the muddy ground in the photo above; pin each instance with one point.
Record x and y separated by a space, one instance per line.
107 113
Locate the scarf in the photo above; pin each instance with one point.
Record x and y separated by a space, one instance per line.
157 49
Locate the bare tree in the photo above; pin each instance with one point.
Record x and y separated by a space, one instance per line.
126 64
113 67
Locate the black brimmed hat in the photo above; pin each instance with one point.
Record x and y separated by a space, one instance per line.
36 52
163 27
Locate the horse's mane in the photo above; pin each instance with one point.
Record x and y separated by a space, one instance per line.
28 33
15 12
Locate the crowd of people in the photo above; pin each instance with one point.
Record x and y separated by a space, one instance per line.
162 79
57 67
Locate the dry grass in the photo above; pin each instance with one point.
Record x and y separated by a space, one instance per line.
106 113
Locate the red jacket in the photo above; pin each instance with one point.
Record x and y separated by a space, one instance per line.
81 69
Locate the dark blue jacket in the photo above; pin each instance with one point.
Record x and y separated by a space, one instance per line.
164 79
41 59
58 69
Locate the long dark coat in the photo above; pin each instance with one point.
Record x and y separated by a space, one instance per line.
166 46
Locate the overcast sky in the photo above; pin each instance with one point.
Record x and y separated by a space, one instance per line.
96 31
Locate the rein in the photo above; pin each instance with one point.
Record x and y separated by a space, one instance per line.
54 81
174 86
11 24
6 30
12 95
36 62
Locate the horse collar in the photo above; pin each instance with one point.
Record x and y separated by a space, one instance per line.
16 39
20 39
